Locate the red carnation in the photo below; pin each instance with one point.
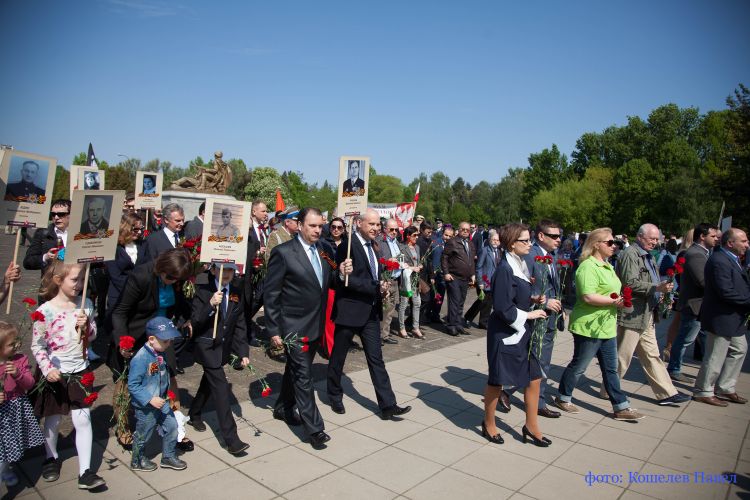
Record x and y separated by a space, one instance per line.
681 261
37 316
627 292
257 262
613 295
678 269
89 400
266 392
305 339
538 258
171 395
305 348
87 379
188 244
127 342
670 272
146 232
382 260
31 302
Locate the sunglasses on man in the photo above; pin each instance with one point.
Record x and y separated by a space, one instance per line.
59 214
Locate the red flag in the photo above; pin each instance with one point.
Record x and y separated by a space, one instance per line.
416 195
279 201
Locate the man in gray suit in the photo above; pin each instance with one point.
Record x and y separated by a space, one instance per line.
692 285
389 250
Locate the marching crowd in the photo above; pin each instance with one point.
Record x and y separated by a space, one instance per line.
320 288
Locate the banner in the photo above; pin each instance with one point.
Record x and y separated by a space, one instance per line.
402 212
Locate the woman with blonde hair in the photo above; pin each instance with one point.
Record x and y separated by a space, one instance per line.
593 324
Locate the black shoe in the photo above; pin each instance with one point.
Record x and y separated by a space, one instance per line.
318 440
142 465
173 463
338 407
546 412
51 470
254 343
497 438
290 417
238 448
504 402
483 326
388 340
542 443
179 371
198 425
280 358
462 331
89 481
452 332
185 446
394 411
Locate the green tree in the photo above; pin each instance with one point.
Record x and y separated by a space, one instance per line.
545 170
263 186
61 189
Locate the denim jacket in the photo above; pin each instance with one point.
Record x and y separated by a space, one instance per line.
142 384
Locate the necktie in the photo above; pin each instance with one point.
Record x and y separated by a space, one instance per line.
373 264
494 256
262 234
176 240
466 247
316 265
224 300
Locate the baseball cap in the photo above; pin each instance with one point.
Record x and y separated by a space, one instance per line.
227 265
161 328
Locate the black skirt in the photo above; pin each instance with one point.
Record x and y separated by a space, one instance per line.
58 398
511 365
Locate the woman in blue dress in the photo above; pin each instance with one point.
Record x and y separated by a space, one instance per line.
511 364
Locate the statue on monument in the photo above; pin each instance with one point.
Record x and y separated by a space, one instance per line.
212 180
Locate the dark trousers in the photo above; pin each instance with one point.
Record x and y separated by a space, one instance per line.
481 307
297 387
435 305
214 384
370 335
456 297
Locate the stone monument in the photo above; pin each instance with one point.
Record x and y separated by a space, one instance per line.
190 192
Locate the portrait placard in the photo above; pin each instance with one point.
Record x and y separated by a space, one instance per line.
94 226
26 181
90 179
77 178
226 238
148 187
354 177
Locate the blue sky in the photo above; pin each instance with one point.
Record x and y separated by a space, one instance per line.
469 88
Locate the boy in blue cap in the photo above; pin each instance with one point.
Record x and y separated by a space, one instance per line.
148 381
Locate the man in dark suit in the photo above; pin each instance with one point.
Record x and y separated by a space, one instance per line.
168 237
726 304
358 310
256 248
295 295
547 237
692 284
194 228
26 186
218 296
457 263
354 183
42 249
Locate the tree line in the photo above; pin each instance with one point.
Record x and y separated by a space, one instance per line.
674 168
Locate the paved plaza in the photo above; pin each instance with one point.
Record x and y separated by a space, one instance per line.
436 451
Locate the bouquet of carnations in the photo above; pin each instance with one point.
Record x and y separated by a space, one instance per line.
668 298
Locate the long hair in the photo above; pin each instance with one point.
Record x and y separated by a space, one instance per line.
57 268
687 240
593 238
127 223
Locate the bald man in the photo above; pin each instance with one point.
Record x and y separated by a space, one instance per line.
636 332
358 310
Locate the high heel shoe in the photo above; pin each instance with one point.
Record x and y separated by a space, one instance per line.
402 333
542 443
497 438
417 334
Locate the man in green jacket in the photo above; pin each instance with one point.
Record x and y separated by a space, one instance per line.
637 269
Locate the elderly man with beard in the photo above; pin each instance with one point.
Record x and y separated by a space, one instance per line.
636 329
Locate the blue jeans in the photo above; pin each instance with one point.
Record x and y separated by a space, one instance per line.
146 421
584 350
690 327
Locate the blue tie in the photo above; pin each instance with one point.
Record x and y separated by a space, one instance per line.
176 240
373 264
316 266
224 300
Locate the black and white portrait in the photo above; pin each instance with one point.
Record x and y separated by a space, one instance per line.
91 181
225 220
354 185
149 184
26 179
96 214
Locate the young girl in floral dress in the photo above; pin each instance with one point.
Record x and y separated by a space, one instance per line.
19 428
61 335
